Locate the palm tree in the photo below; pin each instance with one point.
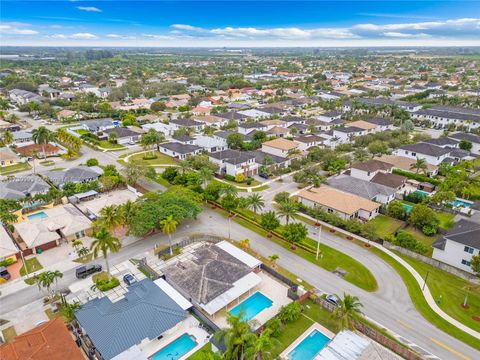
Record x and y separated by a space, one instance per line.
228 190
127 212
206 174
273 260
169 226
420 164
47 278
68 310
7 137
42 135
103 243
255 202
287 210
263 346
110 217
244 244
347 311
237 338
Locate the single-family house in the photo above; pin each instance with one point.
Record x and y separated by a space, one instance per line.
22 137
194 125
366 189
178 150
280 147
234 162
459 245
305 142
211 143
8 157
431 153
77 175
345 205
22 186
368 169
405 163
329 116
125 135
471 138
251 127
8 248
39 150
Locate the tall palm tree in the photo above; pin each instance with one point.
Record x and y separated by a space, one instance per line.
47 278
110 217
287 210
228 190
103 243
43 136
7 137
419 165
347 311
238 338
169 226
206 175
127 212
255 202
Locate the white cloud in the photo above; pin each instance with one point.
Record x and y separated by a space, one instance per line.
122 37
77 36
187 27
395 34
16 28
428 25
89 8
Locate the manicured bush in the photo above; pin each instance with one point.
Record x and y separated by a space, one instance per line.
92 162
229 177
396 210
418 177
408 241
7 262
103 284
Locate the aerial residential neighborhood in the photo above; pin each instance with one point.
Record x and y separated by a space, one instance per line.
240 180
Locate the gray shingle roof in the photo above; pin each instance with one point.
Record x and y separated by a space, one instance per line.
365 189
465 232
22 186
426 149
232 156
76 175
180 148
146 311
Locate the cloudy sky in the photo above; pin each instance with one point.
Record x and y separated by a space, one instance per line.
245 23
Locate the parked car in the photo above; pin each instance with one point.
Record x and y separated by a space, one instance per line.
332 299
129 279
83 271
263 175
4 274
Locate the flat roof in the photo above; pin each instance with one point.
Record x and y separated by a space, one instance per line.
241 255
174 294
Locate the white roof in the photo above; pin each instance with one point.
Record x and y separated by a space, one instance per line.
239 288
241 255
7 247
117 197
174 294
345 345
253 113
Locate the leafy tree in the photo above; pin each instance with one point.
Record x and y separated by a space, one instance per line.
348 311
169 174
424 219
169 226
151 139
112 137
269 221
378 147
104 243
396 210
92 162
281 197
465 145
47 278
235 141
133 172
441 197
295 233
287 210
7 137
408 241
158 106
475 264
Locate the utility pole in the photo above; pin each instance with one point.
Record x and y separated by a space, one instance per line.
318 241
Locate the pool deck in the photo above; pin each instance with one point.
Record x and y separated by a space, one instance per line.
293 345
271 288
189 326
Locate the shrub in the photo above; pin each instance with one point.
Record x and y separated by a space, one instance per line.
396 210
240 178
414 197
418 177
229 177
92 162
169 174
424 218
103 284
275 325
282 197
290 312
7 262
408 241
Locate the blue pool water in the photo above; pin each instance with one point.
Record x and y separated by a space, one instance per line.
422 193
460 203
408 208
252 306
40 215
309 347
176 349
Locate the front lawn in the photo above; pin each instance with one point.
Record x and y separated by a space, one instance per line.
32 265
158 160
14 168
385 225
244 184
452 291
108 145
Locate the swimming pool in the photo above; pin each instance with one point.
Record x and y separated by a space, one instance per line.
408 208
309 347
176 349
461 203
422 193
39 215
252 306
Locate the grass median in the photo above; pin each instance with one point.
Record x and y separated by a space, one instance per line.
421 304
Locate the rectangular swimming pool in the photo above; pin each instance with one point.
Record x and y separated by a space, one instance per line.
176 349
252 306
39 215
309 347
461 203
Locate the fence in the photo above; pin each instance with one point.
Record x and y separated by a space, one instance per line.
375 335
143 266
438 264
211 327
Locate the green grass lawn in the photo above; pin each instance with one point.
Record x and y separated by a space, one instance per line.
162 181
385 225
32 265
421 304
427 240
244 184
332 259
14 168
203 353
161 159
82 132
453 290
108 145
261 188
446 220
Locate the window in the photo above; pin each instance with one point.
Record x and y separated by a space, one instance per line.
468 249
465 262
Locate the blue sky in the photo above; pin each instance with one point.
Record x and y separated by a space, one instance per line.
235 23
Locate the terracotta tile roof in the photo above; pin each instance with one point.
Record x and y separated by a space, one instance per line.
362 125
37 148
338 200
50 341
282 144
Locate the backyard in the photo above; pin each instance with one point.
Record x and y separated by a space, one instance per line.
385 225
158 159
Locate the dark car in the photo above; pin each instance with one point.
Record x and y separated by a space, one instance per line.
332 299
83 271
4 274
263 175
129 279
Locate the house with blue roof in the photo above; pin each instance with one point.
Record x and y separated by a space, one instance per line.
147 311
